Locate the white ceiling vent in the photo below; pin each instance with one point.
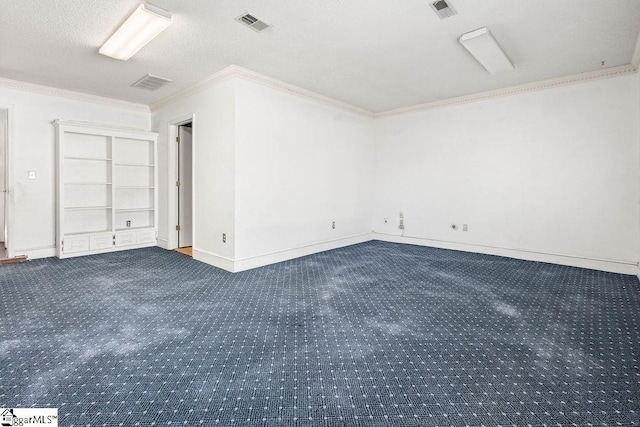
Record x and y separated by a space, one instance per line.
151 82
443 9
252 22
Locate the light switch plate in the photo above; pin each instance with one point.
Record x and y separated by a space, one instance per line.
32 174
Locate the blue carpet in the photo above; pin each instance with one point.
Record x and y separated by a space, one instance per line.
372 334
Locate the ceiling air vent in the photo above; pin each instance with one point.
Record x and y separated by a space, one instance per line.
252 22
151 82
443 9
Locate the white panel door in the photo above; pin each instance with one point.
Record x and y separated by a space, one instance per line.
185 202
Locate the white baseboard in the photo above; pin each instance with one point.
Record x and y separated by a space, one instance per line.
213 259
237 265
35 253
285 255
163 243
622 267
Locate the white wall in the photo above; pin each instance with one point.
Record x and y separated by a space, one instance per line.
550 175
554 172
272 172
3 142
300 166
549 172
32 144
213 173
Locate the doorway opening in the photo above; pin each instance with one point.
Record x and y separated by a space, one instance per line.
181 154
184 185
7 246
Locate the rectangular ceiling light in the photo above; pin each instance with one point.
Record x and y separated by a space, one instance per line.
481 44
144 24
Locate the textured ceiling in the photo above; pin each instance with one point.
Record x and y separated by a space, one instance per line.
374 54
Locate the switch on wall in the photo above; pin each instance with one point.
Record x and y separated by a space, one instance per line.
32 174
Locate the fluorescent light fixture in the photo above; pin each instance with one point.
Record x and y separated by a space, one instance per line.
144 24
481 44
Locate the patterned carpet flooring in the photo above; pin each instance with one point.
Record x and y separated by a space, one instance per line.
372 334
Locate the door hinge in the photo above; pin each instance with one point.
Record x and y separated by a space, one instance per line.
177 228
177 183
177 139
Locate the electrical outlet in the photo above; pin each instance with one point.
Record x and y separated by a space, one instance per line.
333 225
465 227
224 238
401 224
128 223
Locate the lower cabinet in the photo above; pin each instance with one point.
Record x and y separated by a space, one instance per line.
139 237
88 244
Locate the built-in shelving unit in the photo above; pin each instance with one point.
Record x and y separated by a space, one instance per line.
107 188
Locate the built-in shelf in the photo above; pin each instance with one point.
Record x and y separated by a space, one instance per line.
87 183
88 232
140 165
135 210
132 228
100 168
100 159
85 208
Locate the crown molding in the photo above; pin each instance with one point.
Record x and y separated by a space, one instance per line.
69 94
235 71
210 81
514 90
263 80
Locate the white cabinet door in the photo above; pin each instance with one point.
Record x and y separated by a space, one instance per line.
76 244
100 241
146 236
125 238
